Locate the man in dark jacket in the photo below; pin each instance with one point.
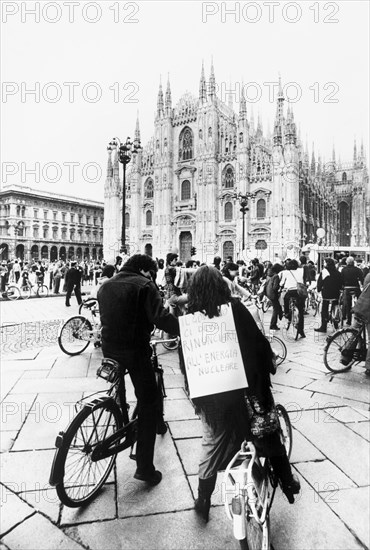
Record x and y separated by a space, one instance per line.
352 277
129 305
329 284
73 282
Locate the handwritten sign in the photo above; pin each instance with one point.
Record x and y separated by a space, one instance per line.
212 354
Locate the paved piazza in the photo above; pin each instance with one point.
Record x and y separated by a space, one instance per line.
39 384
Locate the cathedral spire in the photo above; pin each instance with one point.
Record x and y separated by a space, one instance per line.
202 86
313 161
116 168
160 103
354 151
137 128
230 97
279 118
168 97
212 83
242 105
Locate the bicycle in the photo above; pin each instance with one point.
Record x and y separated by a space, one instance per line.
313 301
27 288
12 292
86 451
277 345
334 312
345 348
251 483
77 332
291 327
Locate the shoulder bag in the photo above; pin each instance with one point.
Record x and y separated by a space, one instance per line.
301 288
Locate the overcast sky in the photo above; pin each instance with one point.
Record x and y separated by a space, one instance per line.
321 49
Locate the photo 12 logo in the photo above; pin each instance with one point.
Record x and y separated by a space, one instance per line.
270 12
69 92
52 172
69 12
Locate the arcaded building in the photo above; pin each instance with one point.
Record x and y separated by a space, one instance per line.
182 188
42 225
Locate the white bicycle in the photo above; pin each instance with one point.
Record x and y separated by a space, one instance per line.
250 485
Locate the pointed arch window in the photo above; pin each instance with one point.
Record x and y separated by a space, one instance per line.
149 217
344 177
149 189
229 178
186 144
185 190
228 212
261 208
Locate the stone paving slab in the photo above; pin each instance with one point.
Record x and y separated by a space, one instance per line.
189 450
350 505
14 410
303 450
26 471
184 429
361 428
347 414
160 532
179 409
343 388
45 501
37 528
50 385
300 526
103 507
324 476
332 437
13 510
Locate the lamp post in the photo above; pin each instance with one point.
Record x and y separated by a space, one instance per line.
126 151
243 199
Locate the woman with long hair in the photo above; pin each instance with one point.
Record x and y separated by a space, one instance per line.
224 415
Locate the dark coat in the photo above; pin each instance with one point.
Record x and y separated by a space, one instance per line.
330 286
73 276
130 305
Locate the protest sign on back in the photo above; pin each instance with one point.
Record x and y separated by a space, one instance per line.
212 354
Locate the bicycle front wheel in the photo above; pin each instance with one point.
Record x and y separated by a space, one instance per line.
75 335
279 348
83 477
286 432
333 358
257 534
42 291
13 292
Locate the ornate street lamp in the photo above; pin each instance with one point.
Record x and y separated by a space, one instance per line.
126 151
243 199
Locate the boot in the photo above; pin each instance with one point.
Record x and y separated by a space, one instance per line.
320 329
203 502
289 483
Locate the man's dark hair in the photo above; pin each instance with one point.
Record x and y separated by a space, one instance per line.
217 260
207 291
141 261
160 263
292 265
303 260
171 256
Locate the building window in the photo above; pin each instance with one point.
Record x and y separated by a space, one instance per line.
149 217
80 218
63 216
127 219
55 233
95 221
87 220
72 218
148 189
228 211
344 177
54 215
261 208
18 211
35 213
186 144
45 214
35 232
64 234
229 177
46 232
72 235
185 190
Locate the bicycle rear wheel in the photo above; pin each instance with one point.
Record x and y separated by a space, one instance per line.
279 348
75 335
82 477
286 432
334 360
257 534
42 291
13 292
292 324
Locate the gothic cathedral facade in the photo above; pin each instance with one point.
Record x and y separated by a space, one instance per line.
187 185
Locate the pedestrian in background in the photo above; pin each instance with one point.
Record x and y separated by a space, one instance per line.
329 284
73 283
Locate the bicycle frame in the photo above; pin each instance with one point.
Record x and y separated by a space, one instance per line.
247 493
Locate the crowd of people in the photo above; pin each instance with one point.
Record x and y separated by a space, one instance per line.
136 294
